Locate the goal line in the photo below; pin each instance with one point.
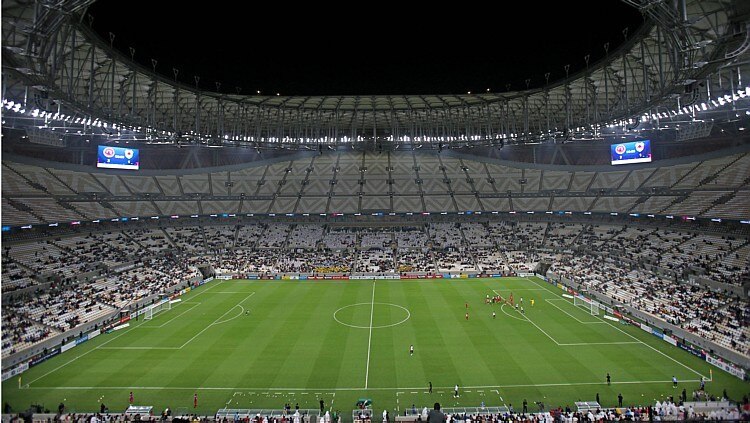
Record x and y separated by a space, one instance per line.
153 309
592 306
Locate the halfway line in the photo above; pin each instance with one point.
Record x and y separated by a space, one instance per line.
369 338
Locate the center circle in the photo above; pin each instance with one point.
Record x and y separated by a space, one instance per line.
359 317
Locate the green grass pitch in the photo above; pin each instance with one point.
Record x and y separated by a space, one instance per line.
261 344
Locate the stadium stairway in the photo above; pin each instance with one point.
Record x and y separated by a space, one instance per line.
677 200
169 238
546 232
204 238
28 181
66 205
24 208
57 178
642 199
578 235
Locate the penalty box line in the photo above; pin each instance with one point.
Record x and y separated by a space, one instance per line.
551 302
218 321
535 325
403 389
633 337
107 342
574 344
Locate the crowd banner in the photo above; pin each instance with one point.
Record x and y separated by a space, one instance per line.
727 367
15 371
51 353
669 340
692 350
94 334
68 346
645 327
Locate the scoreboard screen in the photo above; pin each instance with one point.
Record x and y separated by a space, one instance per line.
118 158
631 152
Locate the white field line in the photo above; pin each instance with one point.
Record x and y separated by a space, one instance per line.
162 325
521 289
639 341
110 340
401 390
510 315
536 326
242 309
86 353
600 343
215 321
551 302
369 338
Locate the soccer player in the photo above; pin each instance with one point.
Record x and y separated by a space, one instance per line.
674 381
195 400
493 314
130 400
19 381
467 316
411 349
467 306
619 400
430 388
609 381
522 312
521 300
455 391
532 302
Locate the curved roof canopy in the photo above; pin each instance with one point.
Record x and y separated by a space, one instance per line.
674 69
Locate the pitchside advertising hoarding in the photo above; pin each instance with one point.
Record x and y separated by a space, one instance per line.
631 152
118 158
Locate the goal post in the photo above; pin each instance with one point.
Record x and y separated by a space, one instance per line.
156 308
592 306
595 307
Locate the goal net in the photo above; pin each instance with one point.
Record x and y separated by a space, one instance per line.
592 306
156 308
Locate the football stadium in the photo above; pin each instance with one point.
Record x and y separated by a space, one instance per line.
572 248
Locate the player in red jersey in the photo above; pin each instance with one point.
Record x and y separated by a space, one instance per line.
130 400
195 400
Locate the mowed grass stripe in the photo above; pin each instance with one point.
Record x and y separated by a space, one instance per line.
429 322
292 335
339 358
649 340
389 345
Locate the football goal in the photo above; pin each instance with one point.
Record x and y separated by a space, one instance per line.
156 308
592 306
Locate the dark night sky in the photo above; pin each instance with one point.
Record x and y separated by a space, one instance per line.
369 49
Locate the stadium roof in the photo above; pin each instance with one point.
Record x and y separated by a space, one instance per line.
675 69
